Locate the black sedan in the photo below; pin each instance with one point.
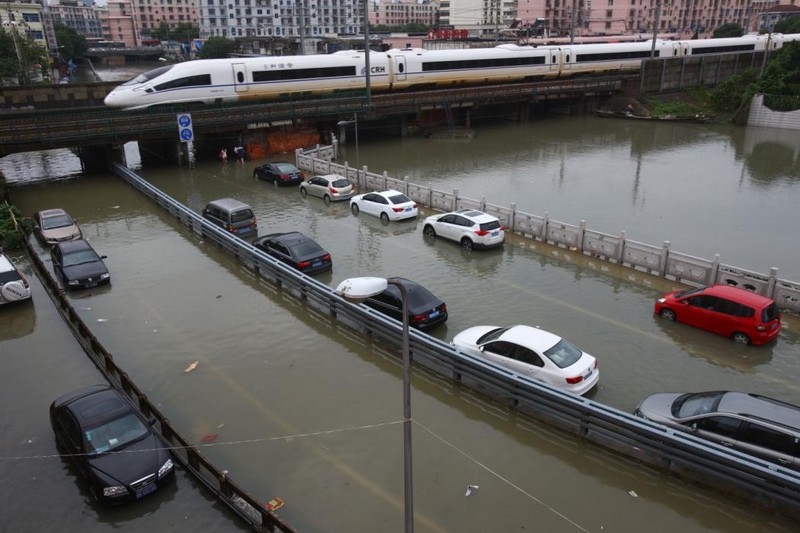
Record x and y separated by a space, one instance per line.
297 250
111 443
279 173
425 310
78 265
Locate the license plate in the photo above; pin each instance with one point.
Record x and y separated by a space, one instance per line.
407 209
773 326
495 233
588 374
434 314
316 263
90 285
149 489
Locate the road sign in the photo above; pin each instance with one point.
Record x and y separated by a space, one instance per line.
185 131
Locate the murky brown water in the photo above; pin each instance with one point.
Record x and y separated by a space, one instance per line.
306 411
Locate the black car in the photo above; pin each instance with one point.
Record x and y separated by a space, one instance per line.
425 310
111 443
78 265
297 250
279 173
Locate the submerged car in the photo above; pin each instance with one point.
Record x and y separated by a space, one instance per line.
13 285
744 316
532 352
386 205
425 309
469 227
78 265
329 187
55 225
113 446
751 423
297 250
279 173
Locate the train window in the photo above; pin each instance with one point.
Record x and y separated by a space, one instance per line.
149 75
240 77
554 59
482 63
400 68
723 49
189 81
303 73
615 56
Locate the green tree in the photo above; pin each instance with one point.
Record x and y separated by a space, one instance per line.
183 31
70 43
216 47
731 29
782 75
20 57
788 25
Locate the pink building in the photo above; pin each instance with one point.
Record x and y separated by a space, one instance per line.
119 23
151 13
399 12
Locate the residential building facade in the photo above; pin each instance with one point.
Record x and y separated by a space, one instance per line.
400 12
82 18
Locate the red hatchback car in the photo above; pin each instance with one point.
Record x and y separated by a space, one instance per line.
746 317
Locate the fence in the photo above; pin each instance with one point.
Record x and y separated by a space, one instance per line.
657 260
761 483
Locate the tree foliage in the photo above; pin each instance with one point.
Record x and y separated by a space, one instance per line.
20 57
788 25
183 31
216 47
71 44
731 29
782 75
411 27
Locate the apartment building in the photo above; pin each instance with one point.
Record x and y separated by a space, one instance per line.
84 19
400 12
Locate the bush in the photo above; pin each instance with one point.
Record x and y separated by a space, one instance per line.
10 236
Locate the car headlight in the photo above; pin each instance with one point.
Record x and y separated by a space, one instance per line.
105 275
165 469
112 492
72 282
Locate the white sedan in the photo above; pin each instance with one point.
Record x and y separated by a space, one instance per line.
387 205
532 352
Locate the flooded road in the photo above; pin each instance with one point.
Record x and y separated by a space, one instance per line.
305 410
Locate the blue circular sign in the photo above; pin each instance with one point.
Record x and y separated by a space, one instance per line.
186 134
185 121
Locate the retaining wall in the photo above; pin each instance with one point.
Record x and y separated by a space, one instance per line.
761 115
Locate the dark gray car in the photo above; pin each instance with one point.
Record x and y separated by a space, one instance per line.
750 423
78 265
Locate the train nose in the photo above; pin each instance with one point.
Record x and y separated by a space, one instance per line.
113 99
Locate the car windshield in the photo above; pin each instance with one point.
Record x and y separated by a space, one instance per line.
58 221
286 167
399 199
8 275
114 434
492 335
686 292
340 183
563 354
770 313
80 257
694 404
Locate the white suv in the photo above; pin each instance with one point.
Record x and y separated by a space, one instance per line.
13 285
469 227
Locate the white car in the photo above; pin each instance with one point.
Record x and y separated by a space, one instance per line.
13 285
387 205
469 227
329 187
532 352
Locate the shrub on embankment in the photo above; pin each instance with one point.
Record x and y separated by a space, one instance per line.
13 226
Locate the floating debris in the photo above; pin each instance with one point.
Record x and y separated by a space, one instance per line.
470 489
191 367
633 493
102 320
273 504
210 437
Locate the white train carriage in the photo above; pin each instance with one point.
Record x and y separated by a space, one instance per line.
227 80
609 58
415 67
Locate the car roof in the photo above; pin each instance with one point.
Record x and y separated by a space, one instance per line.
228 203
475 215
290 237
739 295
74 246
534 338
331 177
51 212
762 407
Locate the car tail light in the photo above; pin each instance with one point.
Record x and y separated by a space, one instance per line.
502 228
443 308
419 318
398 209
24 281
333 190
595 364
481 232
326 257
576 379
303 264
284 177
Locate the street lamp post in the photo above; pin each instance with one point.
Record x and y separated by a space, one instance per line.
359 289
367 95
342 124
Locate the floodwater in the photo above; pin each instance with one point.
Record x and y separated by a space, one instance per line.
305 410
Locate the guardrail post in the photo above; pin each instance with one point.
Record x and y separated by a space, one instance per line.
364 168
347 170
712 277
621 250
430 196
545 223
662 261
483 203
512 216
385 180
455 200
579 239
773 280
405 185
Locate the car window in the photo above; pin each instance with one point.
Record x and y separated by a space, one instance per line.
306 248
563 354
461 221
704 301
489 226
399 199
504 348
340 183
8 275
448 219
696 404
279 248
387 299
80 257
318 181
725 426
520 353
241 216
772 439
770 313
286 168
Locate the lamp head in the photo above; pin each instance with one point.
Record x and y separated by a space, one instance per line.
359 289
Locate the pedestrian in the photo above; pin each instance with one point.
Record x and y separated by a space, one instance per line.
239 153
223 154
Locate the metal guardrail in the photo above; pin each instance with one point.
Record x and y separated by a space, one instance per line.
761 483
657 260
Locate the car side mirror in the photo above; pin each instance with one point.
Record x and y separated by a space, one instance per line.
482 348
103 257
693 427
151 421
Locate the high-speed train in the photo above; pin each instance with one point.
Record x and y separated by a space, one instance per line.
256 78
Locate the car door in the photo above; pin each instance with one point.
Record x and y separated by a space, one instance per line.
317 186
447 227
768 443
528 362
500 352
279 252
698 311
56 258
373 204
721 429
387 304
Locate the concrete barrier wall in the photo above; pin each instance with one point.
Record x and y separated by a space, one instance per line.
761 115
657 260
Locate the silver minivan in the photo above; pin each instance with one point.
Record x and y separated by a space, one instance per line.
232 215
